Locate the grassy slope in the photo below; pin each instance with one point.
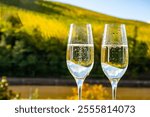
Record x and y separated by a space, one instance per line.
53 18
65 11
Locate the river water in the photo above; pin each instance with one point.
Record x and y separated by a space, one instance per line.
61 92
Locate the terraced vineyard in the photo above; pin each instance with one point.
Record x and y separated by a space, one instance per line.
32 30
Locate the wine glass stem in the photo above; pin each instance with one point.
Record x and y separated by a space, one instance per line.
79 84
114 88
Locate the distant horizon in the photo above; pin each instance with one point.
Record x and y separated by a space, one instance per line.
124 9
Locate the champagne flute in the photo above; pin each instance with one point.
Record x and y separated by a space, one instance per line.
114 54
80 53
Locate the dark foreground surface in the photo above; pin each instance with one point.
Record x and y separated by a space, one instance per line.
71 82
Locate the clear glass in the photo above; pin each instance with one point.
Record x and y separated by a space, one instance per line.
114 54
80 53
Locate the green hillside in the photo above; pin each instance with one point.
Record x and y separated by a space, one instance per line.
65 11
32 30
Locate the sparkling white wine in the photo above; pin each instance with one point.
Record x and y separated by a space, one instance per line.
114 60
80 59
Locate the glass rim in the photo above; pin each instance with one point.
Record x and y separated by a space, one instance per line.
80 24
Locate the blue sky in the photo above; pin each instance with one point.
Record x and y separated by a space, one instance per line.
128 9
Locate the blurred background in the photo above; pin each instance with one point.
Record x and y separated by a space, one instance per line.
33 40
